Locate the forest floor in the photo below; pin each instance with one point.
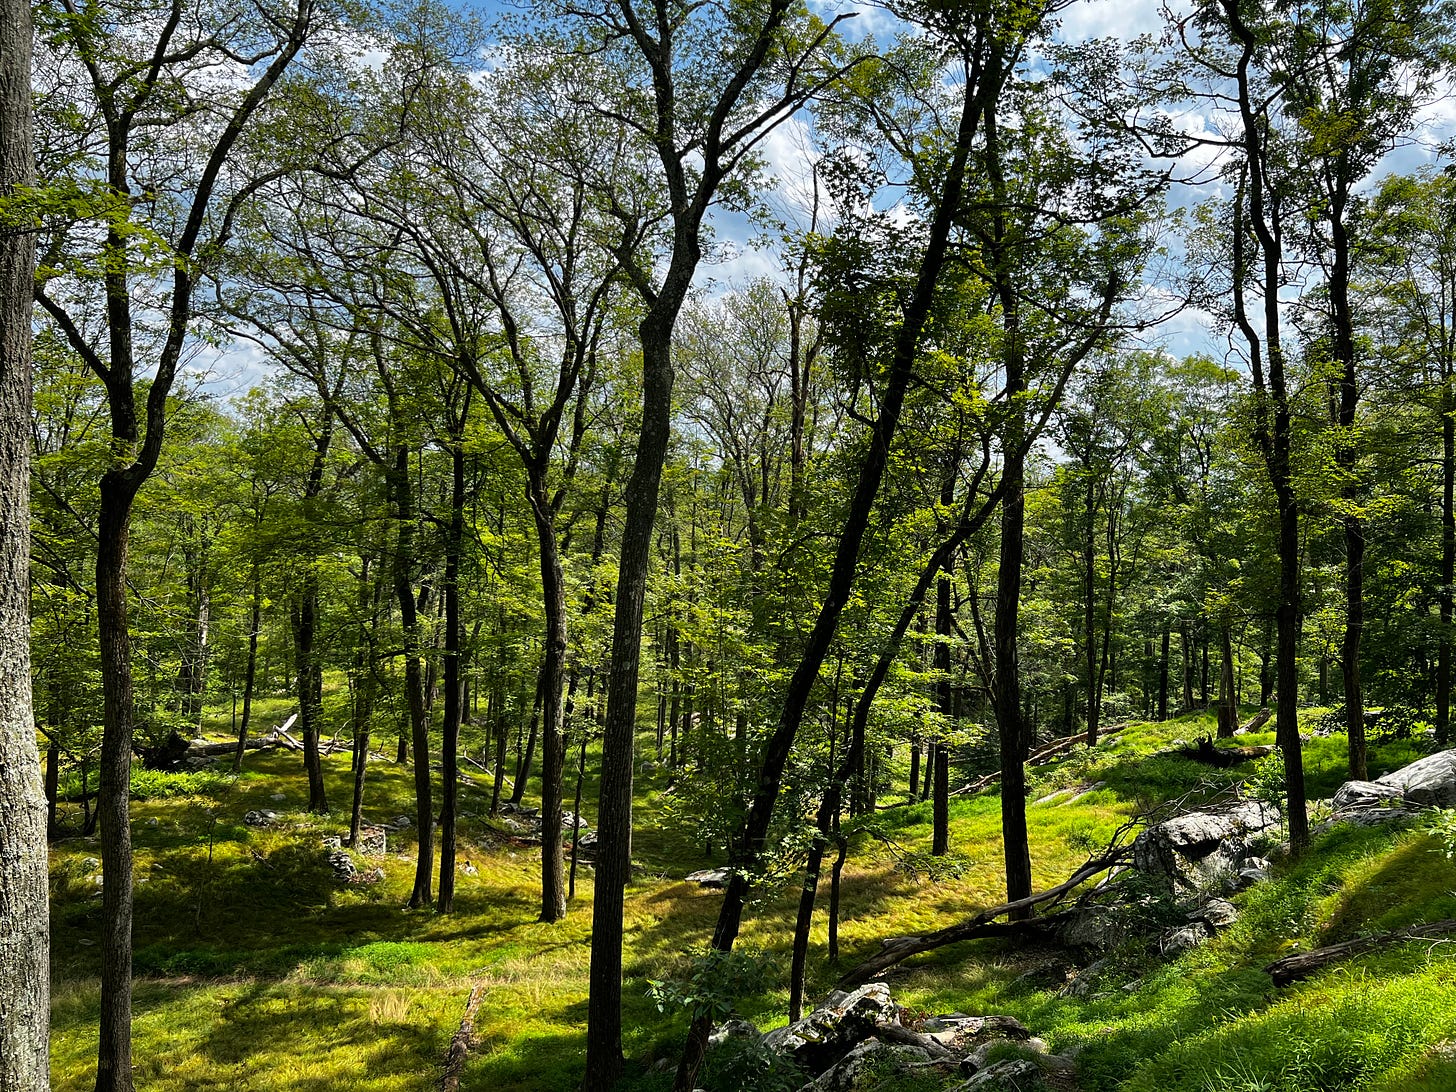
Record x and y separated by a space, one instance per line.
258 970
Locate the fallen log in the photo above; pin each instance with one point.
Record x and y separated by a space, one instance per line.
461 1042
896 950
1222 758
1039 757
1301 965
210 750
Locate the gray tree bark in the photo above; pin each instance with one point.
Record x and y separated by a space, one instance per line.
24 913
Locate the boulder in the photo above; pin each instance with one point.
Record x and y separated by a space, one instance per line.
1011 1073
866 1066
1196 850
1429 782
710 877
731 1029
263 818
1365 794
822 1038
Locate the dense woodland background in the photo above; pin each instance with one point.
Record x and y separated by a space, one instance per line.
543 476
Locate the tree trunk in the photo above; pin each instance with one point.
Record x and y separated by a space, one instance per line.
454 676
24 910
310 688
414 683
1448 554
553 676
1228 702
940 796
1163 673
523 768
250 674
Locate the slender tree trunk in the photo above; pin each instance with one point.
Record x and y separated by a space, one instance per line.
24 909
454 676
1089 604
1448 555
113 807
576 813
553 675
414 683
250 674
310 688
523 768
1163 673
940 797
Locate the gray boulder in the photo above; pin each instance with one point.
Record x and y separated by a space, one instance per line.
866 1066
822 1038
1429 782
1196 850
1017 1073
343 865
709 877
1365 794
1180 940
1217 914
263 818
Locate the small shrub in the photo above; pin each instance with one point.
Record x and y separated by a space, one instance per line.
160 785
1442 827
746 1065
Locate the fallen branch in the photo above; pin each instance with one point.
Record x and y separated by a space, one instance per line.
1292 968
1039 757
896 950
461 1042
1260 719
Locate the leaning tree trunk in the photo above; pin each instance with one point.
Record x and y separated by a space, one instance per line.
24 913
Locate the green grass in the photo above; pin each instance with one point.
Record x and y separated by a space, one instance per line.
258 971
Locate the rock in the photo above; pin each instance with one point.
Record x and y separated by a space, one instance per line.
1429 782
1217 914
89 863
1181 940
1011 1073
709 877
343 865
263 818
866 1066
1095 928
1365 794
1087 790
154 822
278 797
1195 850
399 822
731 1029
372 842
332 841
826 1035
469 869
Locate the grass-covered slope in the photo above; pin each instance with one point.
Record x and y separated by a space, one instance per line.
258 970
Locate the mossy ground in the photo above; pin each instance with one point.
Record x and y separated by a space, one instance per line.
257 970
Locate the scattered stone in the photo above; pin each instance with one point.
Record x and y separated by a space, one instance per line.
469 869
263 818
1182 939
399 822
373 876
1217 914
343 866
90 862
332 841
826 1035
372 842
731 1029
154 822
709 877
278 797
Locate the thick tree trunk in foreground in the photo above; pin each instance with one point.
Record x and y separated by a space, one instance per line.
24 911
553 677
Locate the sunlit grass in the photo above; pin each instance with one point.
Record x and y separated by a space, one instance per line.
259 971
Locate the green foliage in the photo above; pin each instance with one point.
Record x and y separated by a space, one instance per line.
159 785
745 1063
1441 825
712 983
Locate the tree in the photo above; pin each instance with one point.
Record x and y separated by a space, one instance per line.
24 903
157 196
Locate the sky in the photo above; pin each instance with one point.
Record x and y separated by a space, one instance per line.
231 370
